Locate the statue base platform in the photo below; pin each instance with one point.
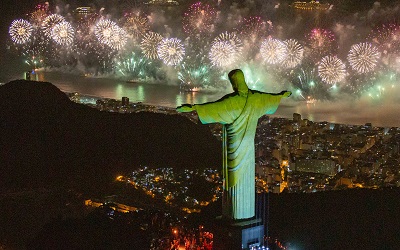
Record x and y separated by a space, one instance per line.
238 235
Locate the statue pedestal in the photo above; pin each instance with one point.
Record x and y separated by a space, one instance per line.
238 235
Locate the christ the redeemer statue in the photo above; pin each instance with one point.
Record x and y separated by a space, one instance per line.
239 113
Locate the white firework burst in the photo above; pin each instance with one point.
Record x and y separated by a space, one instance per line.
49 22
63 33
150 43
225 50
331 69
118 39
294 53
20 31
363 57
273 51
109 33
171 51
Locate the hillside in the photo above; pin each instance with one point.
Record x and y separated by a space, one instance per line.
47 139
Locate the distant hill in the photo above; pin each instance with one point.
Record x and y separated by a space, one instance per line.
47 139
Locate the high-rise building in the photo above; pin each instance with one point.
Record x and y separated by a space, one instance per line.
296 117
125 101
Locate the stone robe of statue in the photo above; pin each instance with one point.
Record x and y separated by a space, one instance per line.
239 113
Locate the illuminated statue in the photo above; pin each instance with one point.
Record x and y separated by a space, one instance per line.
239 113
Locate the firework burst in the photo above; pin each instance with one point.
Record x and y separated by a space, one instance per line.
171 51
253 28
134 67
49 22
272 51
386 36
321 41
104 30
20 31
118 39
294 53
225 50
331 69
307 84
199 19
109 33
37 17
363 57
150 43
63 33
192 76
136 26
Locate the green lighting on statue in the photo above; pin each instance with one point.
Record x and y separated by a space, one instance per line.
239 113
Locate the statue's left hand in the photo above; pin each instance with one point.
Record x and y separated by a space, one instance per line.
185 108
286 93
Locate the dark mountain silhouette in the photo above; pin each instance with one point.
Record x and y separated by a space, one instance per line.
48 139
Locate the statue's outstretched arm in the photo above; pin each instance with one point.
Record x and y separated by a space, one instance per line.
186 108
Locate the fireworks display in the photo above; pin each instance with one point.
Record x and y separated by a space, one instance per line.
273 51
209 40
171 51
150 43
331 69
63 33
50 21
225 49
293 53
20 31
363 57
199 18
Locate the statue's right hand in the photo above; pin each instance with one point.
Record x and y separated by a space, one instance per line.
185 108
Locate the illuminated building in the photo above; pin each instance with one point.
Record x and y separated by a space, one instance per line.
312 5
320 166
83 11
125 101
296 117
163 2
284 167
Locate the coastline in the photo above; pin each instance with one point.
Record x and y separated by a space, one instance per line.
347 110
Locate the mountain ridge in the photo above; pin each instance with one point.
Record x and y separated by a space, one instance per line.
46 135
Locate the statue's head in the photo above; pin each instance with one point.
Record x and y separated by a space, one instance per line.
236 77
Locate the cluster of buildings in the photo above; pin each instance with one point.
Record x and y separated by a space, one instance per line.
177 188
299 155
304 156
